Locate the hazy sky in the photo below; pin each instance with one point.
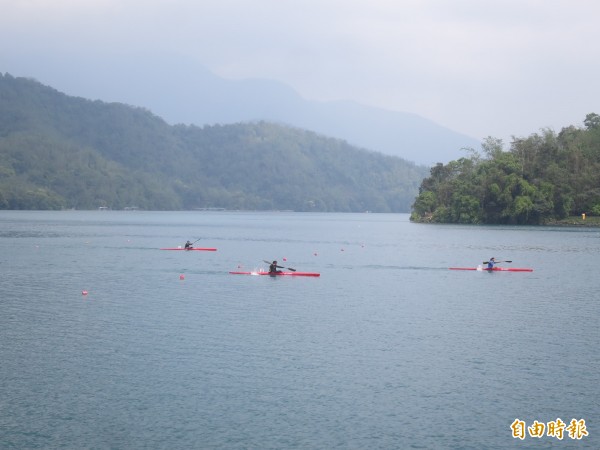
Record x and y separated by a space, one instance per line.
484 68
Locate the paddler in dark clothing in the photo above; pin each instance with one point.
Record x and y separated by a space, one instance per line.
188 245
273 268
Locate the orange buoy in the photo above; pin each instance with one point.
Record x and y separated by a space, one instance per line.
182 277
84 292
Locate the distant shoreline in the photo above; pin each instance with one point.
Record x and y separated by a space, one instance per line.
572 222
576 221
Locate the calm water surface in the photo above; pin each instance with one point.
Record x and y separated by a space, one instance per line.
387 349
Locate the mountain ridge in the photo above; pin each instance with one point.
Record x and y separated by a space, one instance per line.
59 151
181 90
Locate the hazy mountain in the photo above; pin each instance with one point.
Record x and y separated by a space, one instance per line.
182 91
59 151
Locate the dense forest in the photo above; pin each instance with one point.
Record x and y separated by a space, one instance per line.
62 152
540 179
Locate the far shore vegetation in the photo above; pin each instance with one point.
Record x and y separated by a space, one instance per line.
59 152
62 152
546 178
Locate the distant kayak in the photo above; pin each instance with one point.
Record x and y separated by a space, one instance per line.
291 274
192 248
494 269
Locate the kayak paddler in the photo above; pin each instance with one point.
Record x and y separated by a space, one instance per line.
188 245
273 268
491 263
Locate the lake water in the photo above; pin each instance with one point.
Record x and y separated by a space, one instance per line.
387 349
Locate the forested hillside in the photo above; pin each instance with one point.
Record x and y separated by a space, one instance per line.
61 152
541 179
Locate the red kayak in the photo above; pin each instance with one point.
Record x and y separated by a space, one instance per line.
494 269
291 274
192 248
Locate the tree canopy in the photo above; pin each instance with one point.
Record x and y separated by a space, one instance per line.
540 179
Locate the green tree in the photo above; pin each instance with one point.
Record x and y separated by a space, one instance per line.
540 178
592 121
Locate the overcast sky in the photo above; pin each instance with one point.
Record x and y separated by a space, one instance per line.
484 68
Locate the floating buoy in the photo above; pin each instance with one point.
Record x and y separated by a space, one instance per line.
315 253
182 277
84 292
341 250
285 259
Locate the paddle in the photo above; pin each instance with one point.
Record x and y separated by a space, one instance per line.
280 267
485 262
